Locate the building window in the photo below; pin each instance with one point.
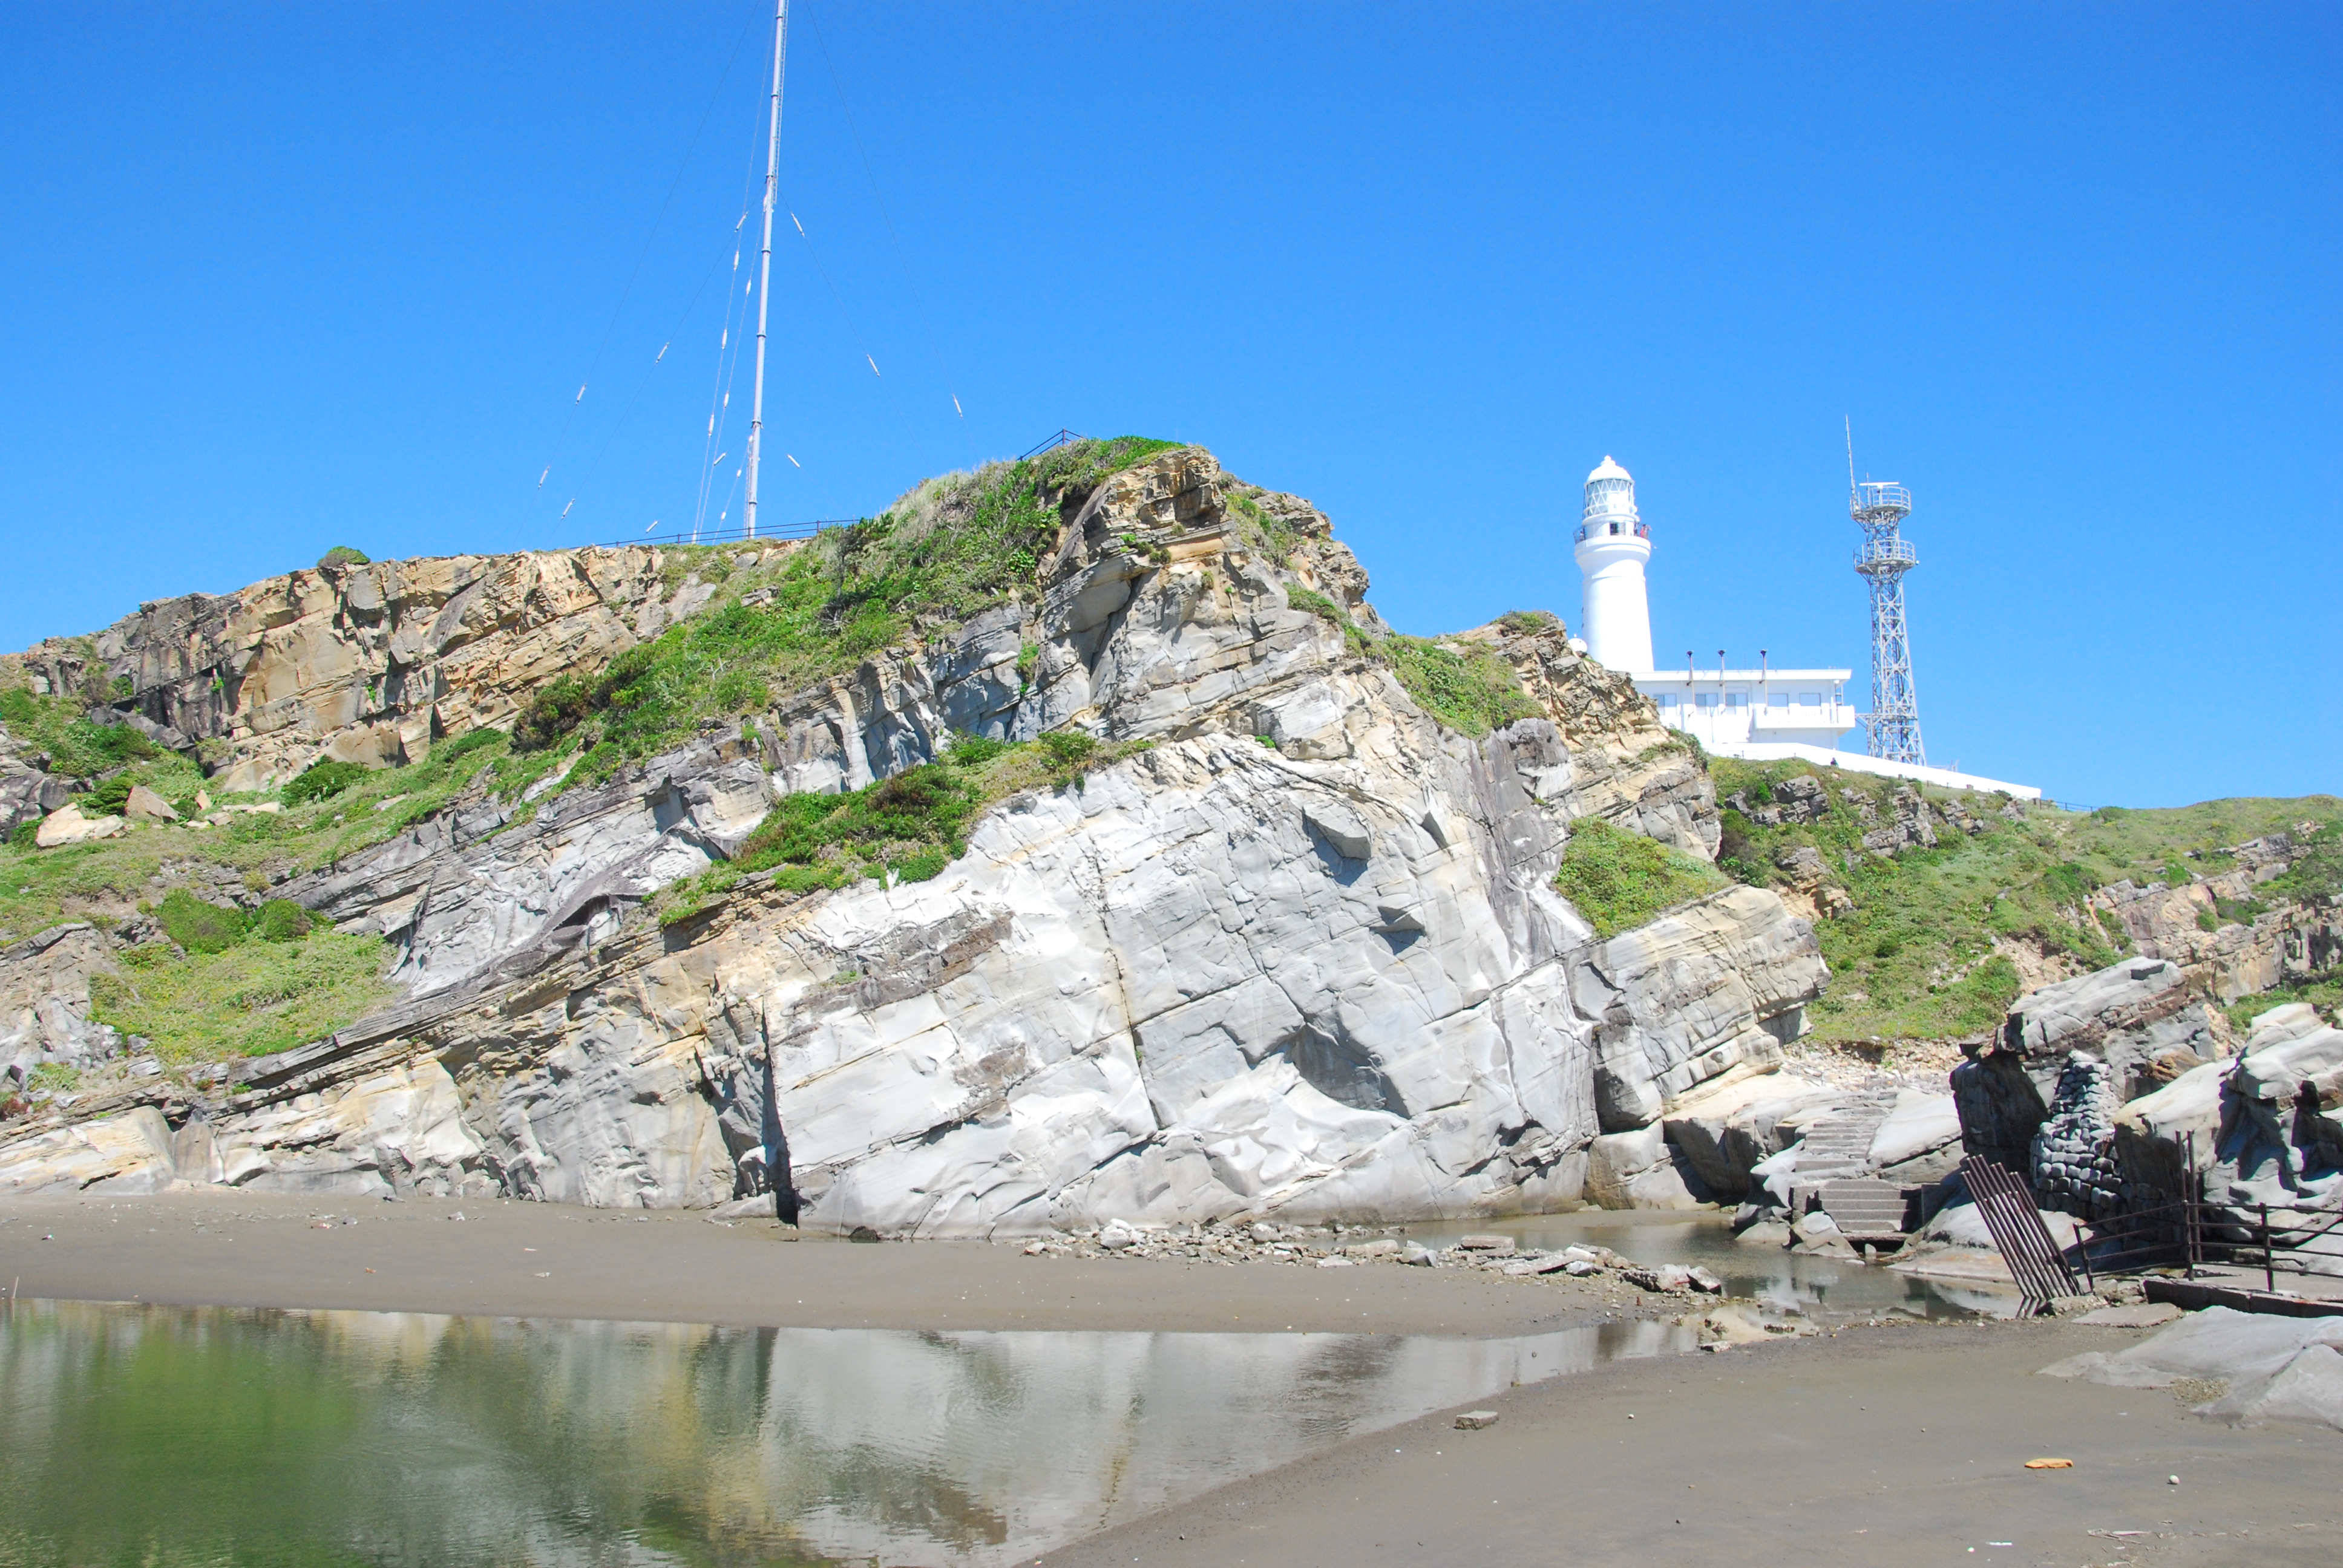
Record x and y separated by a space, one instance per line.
1810 699
1667 699
1614 527
1777 700
1706 699
1737 700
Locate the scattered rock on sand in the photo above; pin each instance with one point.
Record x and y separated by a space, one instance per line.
1476 1419
2133 1315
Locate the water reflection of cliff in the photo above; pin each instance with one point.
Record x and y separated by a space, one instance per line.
198 1435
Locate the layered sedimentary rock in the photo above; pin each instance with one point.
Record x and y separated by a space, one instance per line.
367 664
1297 950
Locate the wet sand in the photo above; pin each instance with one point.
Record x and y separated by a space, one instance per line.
1902 1445
549 1261
1874 1446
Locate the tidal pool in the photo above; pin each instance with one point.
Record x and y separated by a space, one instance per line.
177 1436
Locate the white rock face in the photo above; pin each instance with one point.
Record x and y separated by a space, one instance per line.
1691 996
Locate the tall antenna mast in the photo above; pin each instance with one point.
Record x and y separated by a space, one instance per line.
1850 452
765 266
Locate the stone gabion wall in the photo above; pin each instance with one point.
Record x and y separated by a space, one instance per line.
2073 1157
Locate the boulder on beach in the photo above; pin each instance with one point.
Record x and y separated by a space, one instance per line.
2277 1368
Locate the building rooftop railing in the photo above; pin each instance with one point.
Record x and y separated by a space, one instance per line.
1591 531
1886 555
1881 496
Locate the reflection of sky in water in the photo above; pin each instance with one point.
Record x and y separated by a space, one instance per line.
181 1436
1818 1287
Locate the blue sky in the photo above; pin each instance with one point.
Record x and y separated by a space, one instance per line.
280 277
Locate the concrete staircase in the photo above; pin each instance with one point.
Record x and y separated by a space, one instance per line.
1834 1172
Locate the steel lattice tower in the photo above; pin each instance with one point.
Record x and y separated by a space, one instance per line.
1893 727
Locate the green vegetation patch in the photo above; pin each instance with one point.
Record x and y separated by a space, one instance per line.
77 748
206 927
1470 688
321 781
1620 880
250 998
1914 957
2326 996
342 556
910 826
1473 691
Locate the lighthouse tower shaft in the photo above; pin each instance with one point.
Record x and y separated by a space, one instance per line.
1612 545
1885 556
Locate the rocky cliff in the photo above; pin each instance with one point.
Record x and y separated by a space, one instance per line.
370 664
1284 938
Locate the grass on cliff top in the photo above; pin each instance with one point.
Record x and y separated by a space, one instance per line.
950 548
1470 689
909 827
1620 880
1915 958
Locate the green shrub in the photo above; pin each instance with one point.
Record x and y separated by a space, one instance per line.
1530 620
109 799
1068 749
974 750
281 920
923 866
342 555
1317 604
200 927
1620 880
322 780
552 711
452 751
924 805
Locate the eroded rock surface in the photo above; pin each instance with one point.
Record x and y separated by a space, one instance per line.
367 664
1326 975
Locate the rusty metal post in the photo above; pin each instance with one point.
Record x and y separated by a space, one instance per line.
2189 1206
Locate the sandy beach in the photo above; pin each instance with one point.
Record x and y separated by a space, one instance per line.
544 1259
1902 1443
1872 1446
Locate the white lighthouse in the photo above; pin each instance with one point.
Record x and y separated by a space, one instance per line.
1613 546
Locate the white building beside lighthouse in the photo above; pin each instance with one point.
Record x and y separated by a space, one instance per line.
1760 714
